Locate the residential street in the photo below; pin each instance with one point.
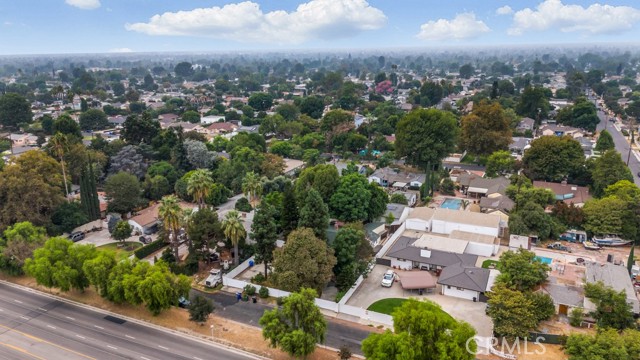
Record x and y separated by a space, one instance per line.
339 332
622 146
35 326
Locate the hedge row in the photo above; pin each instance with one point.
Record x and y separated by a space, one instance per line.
149 249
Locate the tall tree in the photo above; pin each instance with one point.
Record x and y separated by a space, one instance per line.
296 326
607 170
553 158
353 253
98 269
20 240
421 331
377 203
89 193
513 313
93 119
14 110
204 231
425 137
612 308
140 128
605 344
290 213
199 186
172 217
59 145
123 192
264 233
522 270
314 214
605 142
486 130
533 103
252 186
350 202
500 163
234 231
304 261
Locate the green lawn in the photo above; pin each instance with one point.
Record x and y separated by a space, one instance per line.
487 263
387 306
121 252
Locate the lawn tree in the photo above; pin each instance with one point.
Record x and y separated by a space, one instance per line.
160 289
264 233
59 264
612 309
234 231
425 137
129 160
93 119
377 203
420 333
297 326
252 186
199 186
324 178
139 128
122 231
521 270
98 271
123 191
398 199
65 125
200 309
553 158
605 344
533 103
351 200
14 110
204 230
314 214
304 261
610 215
607 170
290 212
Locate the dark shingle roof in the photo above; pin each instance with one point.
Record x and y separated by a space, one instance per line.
465 276
404 249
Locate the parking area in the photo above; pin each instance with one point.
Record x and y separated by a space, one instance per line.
102 237
371 291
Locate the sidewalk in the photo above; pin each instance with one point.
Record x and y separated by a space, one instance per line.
339 332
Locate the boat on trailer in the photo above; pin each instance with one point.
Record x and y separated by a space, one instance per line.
610 240
591 245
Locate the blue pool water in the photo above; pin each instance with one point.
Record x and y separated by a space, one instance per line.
453 204
544 260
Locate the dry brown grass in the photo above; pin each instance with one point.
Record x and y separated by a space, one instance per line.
237 335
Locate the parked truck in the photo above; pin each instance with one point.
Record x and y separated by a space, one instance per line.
214 278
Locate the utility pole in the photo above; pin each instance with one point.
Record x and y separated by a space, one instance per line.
631 141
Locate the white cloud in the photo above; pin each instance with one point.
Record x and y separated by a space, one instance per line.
120 50
463 26
504 10
246 22
595 19
84 4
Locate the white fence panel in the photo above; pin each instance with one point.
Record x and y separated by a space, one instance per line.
240 268
351 291
327 305
391 240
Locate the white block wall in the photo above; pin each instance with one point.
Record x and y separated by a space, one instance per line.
461 294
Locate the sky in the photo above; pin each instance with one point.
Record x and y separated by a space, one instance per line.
102 26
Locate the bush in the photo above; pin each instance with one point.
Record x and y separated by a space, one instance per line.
243 205
280 300
149 249
344 353
258 279
263 292
575 317
250 290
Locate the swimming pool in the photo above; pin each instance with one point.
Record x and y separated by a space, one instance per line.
453 204
544 260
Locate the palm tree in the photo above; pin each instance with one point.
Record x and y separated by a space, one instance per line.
59 144
234 231
171 215
251 186
199 186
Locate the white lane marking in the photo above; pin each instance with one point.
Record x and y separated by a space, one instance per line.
41 309
112 347
163 347
130 337
69 317
144 358
52 327
24 317
80 336
99 327
197 358
18 301
1 310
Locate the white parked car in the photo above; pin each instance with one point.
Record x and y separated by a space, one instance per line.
387 279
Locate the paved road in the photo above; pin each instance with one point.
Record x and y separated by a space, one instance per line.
339 332
34 326
622 146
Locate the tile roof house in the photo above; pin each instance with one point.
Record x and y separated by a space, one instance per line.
525 124
479 186
519 145
569 194
168 117
496 201
565 297
219 128
466 282
560 130
406 256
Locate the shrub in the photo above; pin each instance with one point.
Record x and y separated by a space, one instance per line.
243 205
280 300
149 249
575 317
263 292
250 290
344 353
258 279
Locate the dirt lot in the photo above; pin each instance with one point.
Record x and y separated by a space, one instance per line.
228 332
